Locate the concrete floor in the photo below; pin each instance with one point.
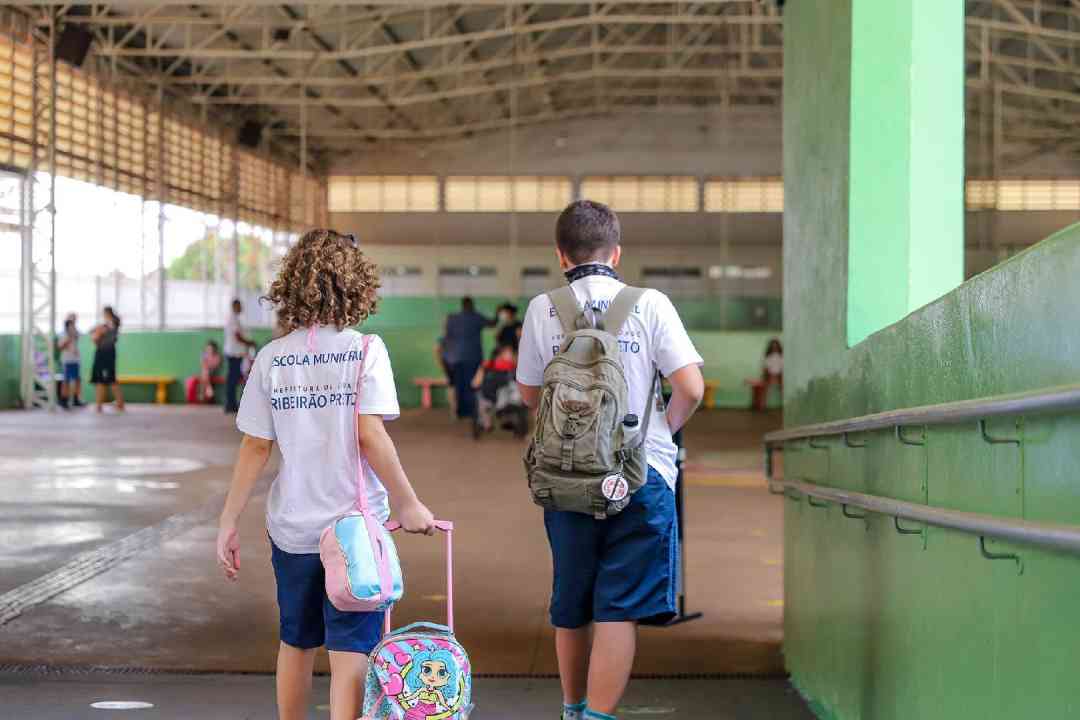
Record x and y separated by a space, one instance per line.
242 697
118 516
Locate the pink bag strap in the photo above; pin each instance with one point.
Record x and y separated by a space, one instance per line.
361 484
382 559
447 527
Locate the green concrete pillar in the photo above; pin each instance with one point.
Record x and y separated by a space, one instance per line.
906 155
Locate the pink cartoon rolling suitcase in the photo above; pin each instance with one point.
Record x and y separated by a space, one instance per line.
421 671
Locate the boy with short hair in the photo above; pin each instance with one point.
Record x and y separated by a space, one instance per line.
614 573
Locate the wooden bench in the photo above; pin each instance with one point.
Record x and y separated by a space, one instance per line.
425 384
161 396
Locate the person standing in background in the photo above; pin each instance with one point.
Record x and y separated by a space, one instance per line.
772 373
236 347
103 373
510 327
71 389
463 348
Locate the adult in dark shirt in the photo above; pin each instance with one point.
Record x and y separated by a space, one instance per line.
510 331
463 349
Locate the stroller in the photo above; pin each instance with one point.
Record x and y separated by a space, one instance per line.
498 401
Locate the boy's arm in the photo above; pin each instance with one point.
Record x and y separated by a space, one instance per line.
687 390
250 460
677 359
530 395
381 454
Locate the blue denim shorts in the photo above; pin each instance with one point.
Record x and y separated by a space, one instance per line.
308 618
71 372
624 568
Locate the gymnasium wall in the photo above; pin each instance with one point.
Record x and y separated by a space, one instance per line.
706 143
889 626
9 371
410 327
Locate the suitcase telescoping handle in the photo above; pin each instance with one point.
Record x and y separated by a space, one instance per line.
447 527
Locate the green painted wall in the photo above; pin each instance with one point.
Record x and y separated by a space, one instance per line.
409 326
906 159
9 371
876 624
730 359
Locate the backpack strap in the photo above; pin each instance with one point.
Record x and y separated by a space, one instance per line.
612 321
622 305
567 308
650 404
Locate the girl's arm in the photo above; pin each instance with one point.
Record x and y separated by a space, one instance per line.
250 461
381 454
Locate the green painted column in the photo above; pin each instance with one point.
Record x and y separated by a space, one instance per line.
906 191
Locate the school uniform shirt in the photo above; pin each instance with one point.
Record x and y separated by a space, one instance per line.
301 393
774 363
653 338
232 346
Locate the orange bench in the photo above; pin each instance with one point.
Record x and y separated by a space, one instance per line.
709 399
425 384
162 383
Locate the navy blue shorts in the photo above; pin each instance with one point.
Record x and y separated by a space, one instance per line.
71 372
308 618
624 568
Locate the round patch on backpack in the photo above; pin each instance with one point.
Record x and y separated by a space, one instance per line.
615 488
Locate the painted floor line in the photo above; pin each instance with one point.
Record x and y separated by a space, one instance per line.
94 562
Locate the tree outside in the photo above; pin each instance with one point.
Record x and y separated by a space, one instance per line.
198 261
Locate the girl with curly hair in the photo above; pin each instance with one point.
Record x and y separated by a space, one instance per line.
301 394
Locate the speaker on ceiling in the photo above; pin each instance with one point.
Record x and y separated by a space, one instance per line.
250 134
72 45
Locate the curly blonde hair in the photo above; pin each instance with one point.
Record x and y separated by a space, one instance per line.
324 280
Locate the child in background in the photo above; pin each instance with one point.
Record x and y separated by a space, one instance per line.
209 364
71 390
301 394
503 360
491 377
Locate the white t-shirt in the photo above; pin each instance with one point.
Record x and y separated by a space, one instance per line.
304 399
653 338
774 363
70 354
233 347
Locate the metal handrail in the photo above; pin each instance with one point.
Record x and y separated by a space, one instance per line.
1046 535
1064 397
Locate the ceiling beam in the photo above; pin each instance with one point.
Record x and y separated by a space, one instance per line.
451 38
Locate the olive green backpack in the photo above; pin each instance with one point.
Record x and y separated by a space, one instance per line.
587 454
